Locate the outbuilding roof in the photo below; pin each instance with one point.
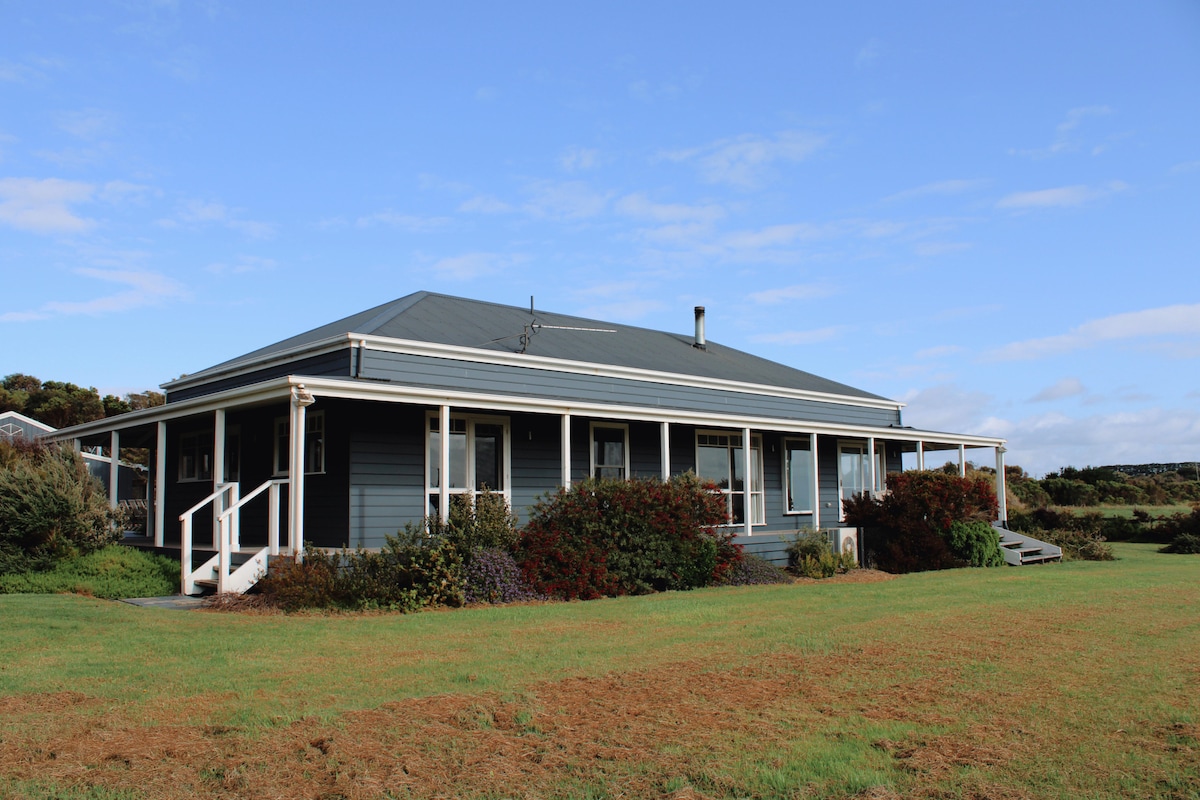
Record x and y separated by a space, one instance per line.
432 318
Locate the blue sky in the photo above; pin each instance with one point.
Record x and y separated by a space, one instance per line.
988 211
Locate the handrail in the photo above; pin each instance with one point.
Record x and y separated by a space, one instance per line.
186 584
246 497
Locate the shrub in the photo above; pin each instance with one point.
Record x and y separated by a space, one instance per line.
1079 545
412 571
50 507
825 565
907 528
752 570
608 537
1187 543
482 522
493 576
807 544
977 544
113 572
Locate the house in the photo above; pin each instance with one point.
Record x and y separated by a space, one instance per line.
339 436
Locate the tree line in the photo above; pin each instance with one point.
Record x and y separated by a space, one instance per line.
61 404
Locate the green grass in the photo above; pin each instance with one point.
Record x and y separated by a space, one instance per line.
1127 511
113 573
1061 681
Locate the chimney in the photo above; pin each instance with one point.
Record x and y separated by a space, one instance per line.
699 328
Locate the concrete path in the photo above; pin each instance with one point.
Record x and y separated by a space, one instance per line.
175 601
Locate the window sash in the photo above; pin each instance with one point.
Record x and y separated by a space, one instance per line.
719 458
314 443
610 451
478 457
800 469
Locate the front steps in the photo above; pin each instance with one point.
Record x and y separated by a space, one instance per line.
1019 549
245 570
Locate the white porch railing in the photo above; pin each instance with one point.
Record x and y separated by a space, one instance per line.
228 533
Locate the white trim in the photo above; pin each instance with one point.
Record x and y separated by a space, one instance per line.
565 452
24 420
786 478
276 435
876 481
479 356
278 389
114 468
445 416
664 437
747 491
621 426
160 482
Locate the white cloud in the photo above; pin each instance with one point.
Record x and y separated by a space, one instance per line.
637 205
579 159
1067 387
745 160
867 55
1060 197
938 188
800 337
1177 320
408 222
200 212
946 407
1186 166
1065 140
625 311
800 291
932 249
485 204
89 124
776 236
43 205
565 200
940 351
472 265
242 265
144 289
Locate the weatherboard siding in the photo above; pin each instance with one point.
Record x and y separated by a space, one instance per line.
334 364
401 369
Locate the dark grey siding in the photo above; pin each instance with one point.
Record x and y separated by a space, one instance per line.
387 470
335 364
536 459
527 382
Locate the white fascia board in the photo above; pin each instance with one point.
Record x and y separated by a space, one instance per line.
17 415
274 389
409 347
357 390
317 348
478 356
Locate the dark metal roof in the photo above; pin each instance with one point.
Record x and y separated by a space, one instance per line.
442 319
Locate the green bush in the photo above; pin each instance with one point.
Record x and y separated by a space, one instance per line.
482 522
907 529
608 537
50 507
807 544
113 572
1186 543
413 570
977 544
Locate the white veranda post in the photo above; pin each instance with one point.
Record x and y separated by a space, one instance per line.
565 479
962 461
444 463
872 478
301 399
1001 480
218 472
114 468
665 449
160 483
747 482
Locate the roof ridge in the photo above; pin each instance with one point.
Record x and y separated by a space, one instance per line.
393 310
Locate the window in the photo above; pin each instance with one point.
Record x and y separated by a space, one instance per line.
196 456
800 470
314 443
478 456
719 459
854 471
610 451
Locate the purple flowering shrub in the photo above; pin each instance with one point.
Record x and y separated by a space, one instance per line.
492 575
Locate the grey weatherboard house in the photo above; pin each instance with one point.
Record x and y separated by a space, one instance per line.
339 436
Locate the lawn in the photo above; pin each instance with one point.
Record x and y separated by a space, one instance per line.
1060 681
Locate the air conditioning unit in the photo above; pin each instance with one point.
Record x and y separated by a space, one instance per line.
845 540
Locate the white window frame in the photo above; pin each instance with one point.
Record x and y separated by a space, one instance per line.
757 502
196 442
862 449
314 444
471 421
814 483
618 426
